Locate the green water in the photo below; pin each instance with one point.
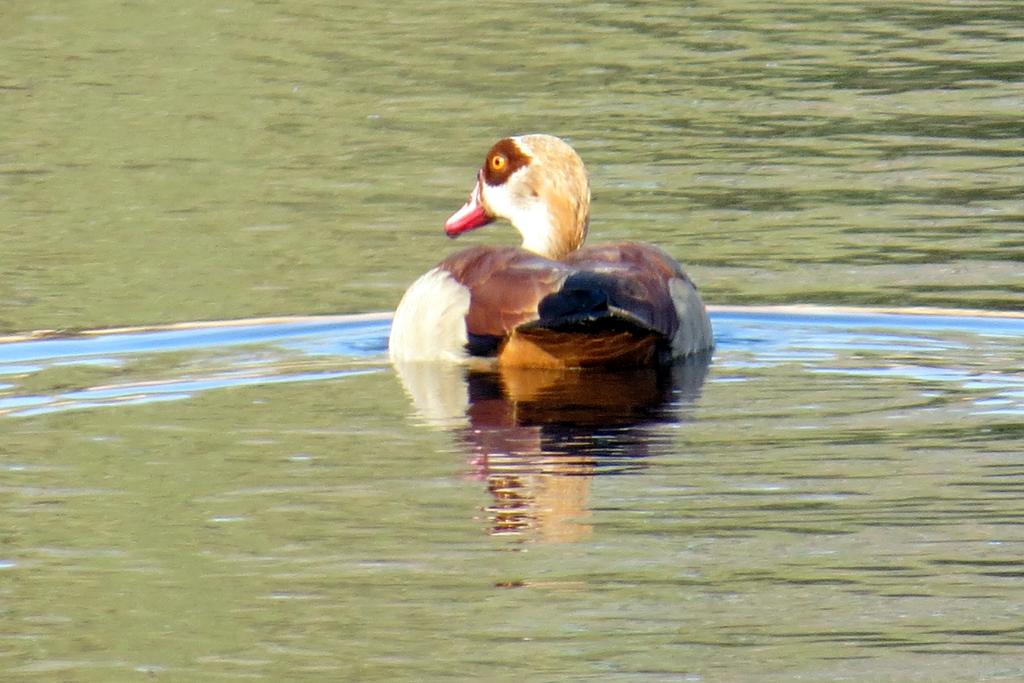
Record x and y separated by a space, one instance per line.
182 161
829 504
826 509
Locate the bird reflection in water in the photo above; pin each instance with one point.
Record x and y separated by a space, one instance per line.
538 437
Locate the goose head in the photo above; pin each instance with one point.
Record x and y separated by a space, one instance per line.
539 185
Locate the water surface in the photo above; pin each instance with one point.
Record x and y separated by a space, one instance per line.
168 163
834 497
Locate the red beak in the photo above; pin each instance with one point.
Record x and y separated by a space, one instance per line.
472 214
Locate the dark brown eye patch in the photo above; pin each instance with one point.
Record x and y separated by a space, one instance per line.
504 159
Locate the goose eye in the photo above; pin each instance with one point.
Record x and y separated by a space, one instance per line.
498 162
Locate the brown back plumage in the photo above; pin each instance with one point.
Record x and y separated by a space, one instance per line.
507 285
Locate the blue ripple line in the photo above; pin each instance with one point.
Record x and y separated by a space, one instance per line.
367 338
132 394
219 382
120 343
849 320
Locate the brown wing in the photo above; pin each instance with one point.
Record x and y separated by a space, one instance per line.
505 285
642 273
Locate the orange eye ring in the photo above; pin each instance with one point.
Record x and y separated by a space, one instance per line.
498 162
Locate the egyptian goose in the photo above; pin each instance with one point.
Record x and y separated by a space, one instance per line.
550 303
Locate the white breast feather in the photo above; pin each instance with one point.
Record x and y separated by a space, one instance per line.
430 322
